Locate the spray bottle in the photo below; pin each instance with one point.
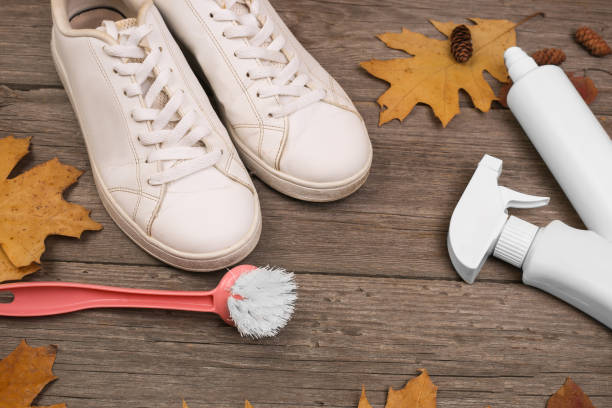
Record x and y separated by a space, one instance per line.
570 139
574 265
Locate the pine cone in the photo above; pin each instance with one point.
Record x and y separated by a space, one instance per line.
592 42
549 56
461 43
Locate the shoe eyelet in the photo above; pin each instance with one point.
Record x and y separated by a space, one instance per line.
236 54
211 15
248 74
115 70
223 34
149 183
270 115
125 93
258 95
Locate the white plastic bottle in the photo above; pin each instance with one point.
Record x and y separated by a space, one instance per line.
570 139
574 265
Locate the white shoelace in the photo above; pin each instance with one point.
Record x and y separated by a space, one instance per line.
283 73
179 135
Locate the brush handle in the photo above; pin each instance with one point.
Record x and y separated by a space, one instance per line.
51 298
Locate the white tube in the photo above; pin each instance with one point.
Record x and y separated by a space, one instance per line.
570 139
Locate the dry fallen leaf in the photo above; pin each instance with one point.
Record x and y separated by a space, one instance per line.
584 85
9 272
419 392
569 396
24 373
433 77
32 208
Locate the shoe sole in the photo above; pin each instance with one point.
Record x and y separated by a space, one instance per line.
296 188
187 261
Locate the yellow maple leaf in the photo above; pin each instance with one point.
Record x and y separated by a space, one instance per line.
419 392
432 76
24 373
32 208
10 272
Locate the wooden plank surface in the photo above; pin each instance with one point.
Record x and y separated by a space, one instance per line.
379 298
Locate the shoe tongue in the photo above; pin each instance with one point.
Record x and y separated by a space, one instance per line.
121 25
126 23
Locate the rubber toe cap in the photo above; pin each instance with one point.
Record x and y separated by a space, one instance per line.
205 213
326 144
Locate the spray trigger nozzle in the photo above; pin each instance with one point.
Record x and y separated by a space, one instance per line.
480 217
514 199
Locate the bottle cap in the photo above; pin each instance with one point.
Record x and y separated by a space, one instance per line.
515 240
518 63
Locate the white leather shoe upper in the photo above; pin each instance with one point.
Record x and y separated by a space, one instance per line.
162 160
285 112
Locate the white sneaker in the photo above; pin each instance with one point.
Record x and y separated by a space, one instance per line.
290 120
164 166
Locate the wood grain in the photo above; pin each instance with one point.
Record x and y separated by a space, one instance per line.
481 344
379 297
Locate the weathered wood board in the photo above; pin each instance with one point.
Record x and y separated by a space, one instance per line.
379 297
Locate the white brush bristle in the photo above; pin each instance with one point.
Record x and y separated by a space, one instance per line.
267 304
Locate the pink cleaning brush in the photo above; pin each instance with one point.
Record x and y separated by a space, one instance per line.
258 301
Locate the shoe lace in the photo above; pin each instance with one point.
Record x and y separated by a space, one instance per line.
177 132
285 81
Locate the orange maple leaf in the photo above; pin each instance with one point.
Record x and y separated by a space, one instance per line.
32 208
432 76
8 271
24 373
570 395
419 392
